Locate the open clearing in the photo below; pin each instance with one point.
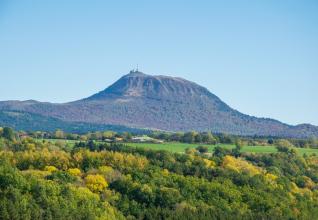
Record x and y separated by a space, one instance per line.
180 147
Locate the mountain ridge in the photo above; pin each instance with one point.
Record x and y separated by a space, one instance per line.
160 102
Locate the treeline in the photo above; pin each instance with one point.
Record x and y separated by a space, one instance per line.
92 180
186 137
210 138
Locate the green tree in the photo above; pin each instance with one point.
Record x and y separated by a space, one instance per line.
284 143
221 151
208 138
189 137
127 136
238 147
285 146
202 149
176 136
8 133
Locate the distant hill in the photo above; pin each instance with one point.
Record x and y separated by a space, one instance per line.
157 102
35 122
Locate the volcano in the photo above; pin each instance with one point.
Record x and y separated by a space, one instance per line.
138 100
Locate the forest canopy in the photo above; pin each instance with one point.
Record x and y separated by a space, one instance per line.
40 179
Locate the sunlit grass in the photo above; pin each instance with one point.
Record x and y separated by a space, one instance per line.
181 147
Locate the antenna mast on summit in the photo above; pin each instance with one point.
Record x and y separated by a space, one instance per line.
137 68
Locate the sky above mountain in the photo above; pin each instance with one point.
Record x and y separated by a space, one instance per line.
259 57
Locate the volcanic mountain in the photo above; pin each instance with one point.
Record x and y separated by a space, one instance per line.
145 101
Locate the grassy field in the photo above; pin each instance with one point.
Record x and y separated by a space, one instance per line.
180 147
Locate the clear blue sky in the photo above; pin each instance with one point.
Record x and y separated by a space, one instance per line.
260 57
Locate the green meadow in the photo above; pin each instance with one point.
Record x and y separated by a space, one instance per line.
180 147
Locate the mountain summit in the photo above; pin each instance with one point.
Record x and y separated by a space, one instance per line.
159 102
138 84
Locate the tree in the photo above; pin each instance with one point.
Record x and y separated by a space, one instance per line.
190 150
240 165
285 146
238 147
96 183
50 169
168 197
176 136
284 143
238 144
108 134
189 137
74 171
59 134
270 141
221 151
208 138
127 136
202 149
8 133
198 138
164 136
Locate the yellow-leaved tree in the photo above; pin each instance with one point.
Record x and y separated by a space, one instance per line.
240 165
96 183
74 171
51 169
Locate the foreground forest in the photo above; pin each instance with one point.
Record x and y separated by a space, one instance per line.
93 180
